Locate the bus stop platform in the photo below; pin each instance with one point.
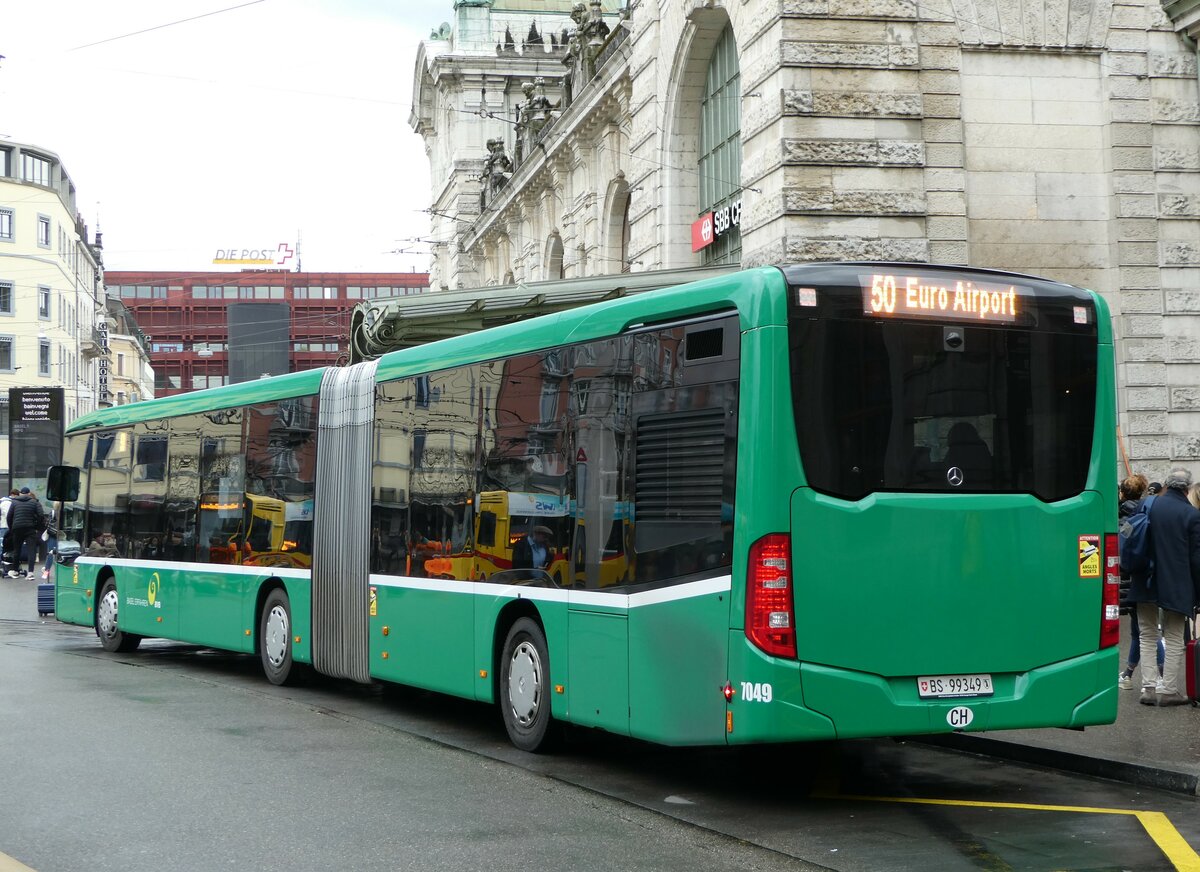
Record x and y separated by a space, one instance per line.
1147 746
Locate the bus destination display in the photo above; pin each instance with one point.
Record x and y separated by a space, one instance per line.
915 296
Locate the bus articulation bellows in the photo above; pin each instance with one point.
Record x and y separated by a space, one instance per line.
810 502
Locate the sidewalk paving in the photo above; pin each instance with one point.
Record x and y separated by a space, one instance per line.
1147 746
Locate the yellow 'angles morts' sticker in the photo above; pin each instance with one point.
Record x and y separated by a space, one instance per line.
1089 556
374 603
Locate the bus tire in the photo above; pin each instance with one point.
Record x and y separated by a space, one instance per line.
525 687
275 639
111 637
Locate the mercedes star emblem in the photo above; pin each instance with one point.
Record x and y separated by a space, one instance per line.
954 475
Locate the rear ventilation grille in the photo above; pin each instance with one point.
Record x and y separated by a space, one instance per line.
680 466
705 344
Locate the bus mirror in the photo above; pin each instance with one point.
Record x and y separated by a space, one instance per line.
62 483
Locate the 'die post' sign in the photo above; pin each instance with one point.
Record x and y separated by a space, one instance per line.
916 296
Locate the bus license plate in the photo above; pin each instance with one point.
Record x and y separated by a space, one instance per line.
941 686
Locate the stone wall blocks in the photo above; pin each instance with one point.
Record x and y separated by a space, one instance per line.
949 252
1142 325
1126 63
1146 424
1137 206
938 58
1129 111
1179 205
946 203
1182 301
1185 446
1171 157
856 152
1137 229
1145 350
943 106
1131 134
1145 302
1182 349
852 104
1133 183
1181 254
1129 88
902 9
939 179
1146 398
935 82
1185 399
854 202
1168 64
944 154
946 227
938 33
806 248
943 130
1137 253
826 54
1150 447
1133 17
1128 40
1167 111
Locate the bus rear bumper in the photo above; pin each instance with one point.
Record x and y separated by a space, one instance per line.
1077 692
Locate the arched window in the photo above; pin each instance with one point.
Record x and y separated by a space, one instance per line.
721 150
554 257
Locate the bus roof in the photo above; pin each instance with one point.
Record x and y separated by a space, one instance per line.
573 325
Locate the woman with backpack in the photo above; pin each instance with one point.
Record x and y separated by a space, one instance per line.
1131 491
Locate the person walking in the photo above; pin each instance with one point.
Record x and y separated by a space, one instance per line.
50 540
1172 585
5 539
1131 491
26 521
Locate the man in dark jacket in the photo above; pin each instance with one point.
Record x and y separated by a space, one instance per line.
1173 584
26 520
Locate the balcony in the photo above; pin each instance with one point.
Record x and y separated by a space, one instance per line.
91 345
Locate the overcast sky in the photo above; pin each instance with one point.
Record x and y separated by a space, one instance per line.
240 129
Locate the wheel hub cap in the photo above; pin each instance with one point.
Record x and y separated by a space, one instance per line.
525 683
275 643
106 616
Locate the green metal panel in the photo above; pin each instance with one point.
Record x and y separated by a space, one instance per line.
299 591
214 607
598 673
679 663
75 594
429 641
150 599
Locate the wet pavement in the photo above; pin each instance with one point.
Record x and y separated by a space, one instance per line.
1147 746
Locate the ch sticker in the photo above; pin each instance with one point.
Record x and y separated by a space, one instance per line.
1089 556
374 607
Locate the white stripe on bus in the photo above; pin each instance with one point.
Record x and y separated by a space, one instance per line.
670 593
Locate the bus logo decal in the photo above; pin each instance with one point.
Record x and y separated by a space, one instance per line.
954 475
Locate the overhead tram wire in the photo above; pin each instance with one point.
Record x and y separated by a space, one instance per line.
167 24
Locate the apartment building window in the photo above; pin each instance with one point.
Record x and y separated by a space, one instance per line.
6 354
43 302
6 298
35 169
44 357
120 364
4 171
6 225
43 233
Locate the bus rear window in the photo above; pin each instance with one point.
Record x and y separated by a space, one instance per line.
918 406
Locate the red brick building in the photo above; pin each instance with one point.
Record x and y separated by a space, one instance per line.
208 329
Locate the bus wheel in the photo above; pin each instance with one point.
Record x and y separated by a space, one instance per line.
275 638
525 687
111 637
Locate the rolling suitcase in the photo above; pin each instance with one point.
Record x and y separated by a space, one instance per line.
45 600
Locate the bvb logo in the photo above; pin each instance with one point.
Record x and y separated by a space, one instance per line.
153 591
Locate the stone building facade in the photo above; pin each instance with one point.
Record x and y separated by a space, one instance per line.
1056 137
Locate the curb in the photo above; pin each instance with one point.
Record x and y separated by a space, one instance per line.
1114 770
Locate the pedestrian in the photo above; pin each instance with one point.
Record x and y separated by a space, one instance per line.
1154 488
6 544
1194 494
26 520
533 551
1131 491
50 539
1172 585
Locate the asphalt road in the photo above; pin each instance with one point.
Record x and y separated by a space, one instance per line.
179 758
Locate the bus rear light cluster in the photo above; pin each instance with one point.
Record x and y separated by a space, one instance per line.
1110 615
770 610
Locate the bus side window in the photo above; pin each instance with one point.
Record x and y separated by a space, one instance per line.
487 529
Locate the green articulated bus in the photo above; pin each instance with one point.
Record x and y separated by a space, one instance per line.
855 499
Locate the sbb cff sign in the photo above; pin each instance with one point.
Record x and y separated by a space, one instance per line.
711 226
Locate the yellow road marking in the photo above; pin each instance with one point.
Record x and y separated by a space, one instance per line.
1157 825
8 864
